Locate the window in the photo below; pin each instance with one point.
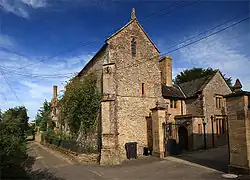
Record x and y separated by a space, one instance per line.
218 102
220 126
199 129
133 47
142 89
173 103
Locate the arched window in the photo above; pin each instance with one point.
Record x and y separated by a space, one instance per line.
133 47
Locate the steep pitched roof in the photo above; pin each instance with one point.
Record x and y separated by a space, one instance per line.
191 88
92 60
172 92
126 25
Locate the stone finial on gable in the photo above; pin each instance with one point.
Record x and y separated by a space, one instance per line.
237 86
133 14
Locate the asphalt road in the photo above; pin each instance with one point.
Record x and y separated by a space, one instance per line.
51 165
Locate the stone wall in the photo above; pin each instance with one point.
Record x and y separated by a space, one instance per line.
132 108
95 66
194 106
198 139
237 131
216 86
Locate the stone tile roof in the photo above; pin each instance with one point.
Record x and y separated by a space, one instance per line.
172 92
191 88
238 93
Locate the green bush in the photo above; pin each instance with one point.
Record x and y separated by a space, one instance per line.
13 145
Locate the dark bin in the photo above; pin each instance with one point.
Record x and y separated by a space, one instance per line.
131 150
145 151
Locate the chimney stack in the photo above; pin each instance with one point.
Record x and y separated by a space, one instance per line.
166 70
55 92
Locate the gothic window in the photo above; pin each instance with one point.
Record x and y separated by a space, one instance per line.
133 47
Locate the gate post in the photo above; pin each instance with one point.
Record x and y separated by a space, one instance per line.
158 120
238 111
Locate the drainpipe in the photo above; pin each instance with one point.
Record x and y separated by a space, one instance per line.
228 145
212 123
205 138
181 107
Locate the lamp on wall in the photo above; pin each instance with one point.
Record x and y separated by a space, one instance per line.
164 122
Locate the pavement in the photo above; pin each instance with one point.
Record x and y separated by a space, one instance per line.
49 164
214 158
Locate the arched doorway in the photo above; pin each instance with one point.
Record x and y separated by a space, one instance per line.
183 138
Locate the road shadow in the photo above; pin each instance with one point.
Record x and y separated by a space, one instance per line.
40 173
27 173
215 158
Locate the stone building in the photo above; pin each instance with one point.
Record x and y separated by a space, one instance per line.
141 104
197 103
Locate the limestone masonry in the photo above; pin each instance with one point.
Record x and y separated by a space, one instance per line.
141 104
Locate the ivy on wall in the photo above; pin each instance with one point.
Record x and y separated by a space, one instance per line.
80 103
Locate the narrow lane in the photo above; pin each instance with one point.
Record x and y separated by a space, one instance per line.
45 159
48 164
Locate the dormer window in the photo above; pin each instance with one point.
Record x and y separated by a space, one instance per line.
133 47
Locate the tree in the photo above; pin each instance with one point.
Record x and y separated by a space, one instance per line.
13 148
195 73
80 103
43 116
1 116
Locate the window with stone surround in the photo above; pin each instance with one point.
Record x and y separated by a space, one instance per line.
218 102
142 89
133 47
220 126
173 103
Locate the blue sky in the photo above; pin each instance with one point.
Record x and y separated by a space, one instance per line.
65 34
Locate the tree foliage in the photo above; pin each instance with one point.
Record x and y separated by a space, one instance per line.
80 103
13 129
195 73
1 116
43 116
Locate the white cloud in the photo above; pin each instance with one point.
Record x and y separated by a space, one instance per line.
223 52
37 90
35 3
33 90
20 7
